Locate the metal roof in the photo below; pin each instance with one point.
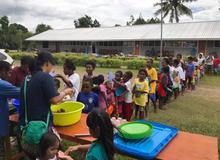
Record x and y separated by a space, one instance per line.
208 30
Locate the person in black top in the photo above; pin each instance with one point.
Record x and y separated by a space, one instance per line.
41 93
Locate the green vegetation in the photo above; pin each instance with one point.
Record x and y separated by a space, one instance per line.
102 62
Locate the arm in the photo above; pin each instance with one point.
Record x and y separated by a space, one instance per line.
9 91
118 83
77 148
65 80
59 98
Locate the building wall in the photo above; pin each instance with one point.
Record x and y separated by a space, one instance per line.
144 48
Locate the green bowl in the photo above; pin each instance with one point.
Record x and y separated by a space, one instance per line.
135 130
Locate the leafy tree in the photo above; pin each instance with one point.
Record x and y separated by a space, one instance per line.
174 8
86 22
141 20
42 28
4 22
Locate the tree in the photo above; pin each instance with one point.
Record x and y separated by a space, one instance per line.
175 9
86 22
4 22
42 28
141 20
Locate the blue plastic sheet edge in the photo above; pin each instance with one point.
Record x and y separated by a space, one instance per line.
156 151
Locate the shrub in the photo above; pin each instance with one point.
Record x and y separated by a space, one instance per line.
105 62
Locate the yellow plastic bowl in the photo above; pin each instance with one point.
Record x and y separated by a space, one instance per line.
72 114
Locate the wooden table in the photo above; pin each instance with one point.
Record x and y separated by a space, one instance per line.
185 146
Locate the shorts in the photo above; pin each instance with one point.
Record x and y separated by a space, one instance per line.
152 96
139 108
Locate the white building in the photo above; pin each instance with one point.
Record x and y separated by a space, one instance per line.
184 38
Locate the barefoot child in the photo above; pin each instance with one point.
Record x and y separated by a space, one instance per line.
140 91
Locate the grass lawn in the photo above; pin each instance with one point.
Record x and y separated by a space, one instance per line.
196 112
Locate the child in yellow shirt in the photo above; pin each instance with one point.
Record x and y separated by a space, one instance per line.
140 91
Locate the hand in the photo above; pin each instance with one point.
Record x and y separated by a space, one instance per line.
71 149
69 91
62 155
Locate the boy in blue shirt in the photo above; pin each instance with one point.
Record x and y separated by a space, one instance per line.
7 90
87 97
190 72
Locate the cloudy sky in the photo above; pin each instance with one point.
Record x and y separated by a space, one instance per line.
61 13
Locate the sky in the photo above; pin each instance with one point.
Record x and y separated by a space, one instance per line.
60 14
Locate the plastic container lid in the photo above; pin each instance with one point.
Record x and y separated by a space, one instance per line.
135 130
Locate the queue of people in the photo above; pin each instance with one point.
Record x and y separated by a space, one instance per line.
104 96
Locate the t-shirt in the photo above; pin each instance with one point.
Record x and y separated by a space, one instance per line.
128 94
90 100
75 80
7 90
152 73
40 89
17 76
141 99
209 60
190 69
96 152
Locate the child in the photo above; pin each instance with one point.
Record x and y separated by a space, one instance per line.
90 67
72 80
49 148
127 110
140 91
152 74
101 128
190 72
118 81
106 95
178 77
162 86
87 97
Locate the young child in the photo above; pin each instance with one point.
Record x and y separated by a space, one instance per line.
87 97
140 91
127 109
49 148
106 95
72 80
162 86
118 81
190 72
178 77
90 67
152 74
101 128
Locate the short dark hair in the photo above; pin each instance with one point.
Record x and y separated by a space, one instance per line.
175 61
129 74
119 72
26 60
70 64
142 70
44 57
92 63
166 70
4 66
46 141
190 58
151 60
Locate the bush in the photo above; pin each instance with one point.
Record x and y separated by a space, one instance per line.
105 62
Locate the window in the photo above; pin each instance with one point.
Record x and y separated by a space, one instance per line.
217 43
151 43
45 44
145 43
105 44
157 43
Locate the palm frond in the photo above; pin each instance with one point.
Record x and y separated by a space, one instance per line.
183 10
